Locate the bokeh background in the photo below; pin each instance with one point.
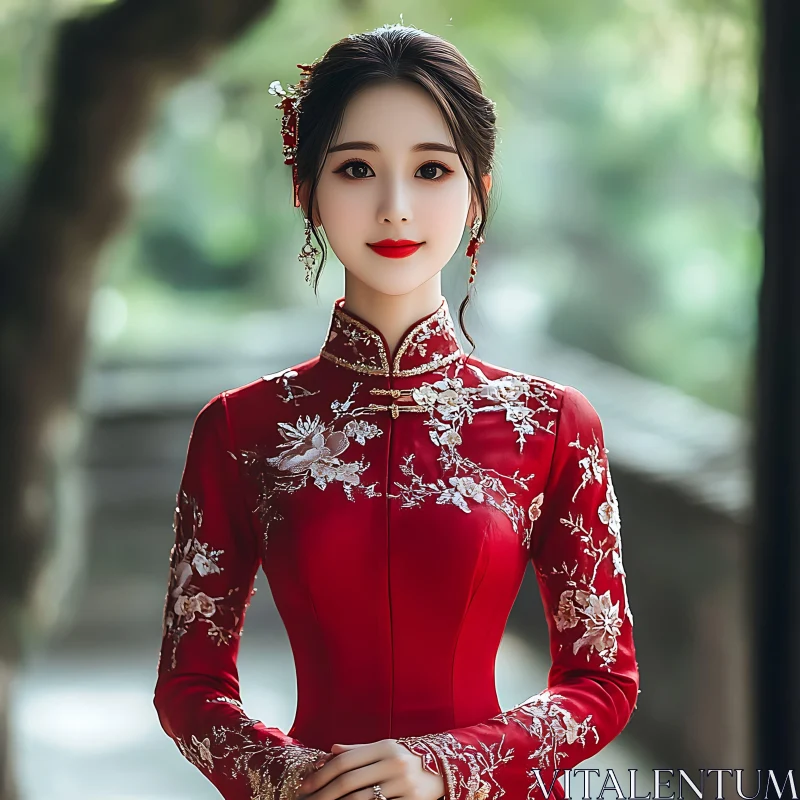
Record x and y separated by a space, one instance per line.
624 258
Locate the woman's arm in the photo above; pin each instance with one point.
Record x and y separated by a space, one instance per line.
593 682
213 565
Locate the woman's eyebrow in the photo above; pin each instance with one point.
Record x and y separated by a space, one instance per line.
438 146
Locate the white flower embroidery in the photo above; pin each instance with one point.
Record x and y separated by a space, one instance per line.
581 603
463 489
191 559
591 463
361 430
609 515
312 450
425 395
252 758
447 438
200 603
469 770
451 405
506 389
203 565
535 508
552 724
203 750
315 448
600 618
480 763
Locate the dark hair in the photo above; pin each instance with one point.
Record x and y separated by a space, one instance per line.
402 53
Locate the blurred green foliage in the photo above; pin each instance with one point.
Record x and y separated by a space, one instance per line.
627 172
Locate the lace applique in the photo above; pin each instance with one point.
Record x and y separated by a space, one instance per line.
190 560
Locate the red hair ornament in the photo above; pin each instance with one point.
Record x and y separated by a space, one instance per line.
289 104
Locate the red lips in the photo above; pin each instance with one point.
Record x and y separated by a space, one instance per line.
395 248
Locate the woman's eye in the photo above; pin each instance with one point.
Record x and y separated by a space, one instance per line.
433 166
356 170
358 166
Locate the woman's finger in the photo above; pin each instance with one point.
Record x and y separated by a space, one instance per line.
352 781
392 789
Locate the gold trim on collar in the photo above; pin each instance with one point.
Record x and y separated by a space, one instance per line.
365 353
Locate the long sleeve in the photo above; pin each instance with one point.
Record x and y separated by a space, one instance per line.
213 564
593 682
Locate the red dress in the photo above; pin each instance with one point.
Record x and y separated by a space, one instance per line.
394 505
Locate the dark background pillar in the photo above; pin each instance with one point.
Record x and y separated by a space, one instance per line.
776 528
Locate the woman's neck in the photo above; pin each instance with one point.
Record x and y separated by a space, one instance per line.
392 315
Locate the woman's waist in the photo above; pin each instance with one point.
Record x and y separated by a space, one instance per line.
345 720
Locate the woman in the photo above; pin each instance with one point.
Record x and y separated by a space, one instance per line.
394 488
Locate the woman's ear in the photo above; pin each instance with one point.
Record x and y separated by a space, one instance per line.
473 209
301 198
301 201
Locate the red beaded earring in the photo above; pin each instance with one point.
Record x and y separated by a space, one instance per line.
472 249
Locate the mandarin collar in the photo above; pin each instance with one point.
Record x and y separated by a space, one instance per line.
428 344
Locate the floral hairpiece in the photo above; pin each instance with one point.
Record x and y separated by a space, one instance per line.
290 104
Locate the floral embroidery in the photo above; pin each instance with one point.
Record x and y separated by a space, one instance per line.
535 508
273 771
356 339
222 699
197 752
457 404
450 406
436 330
601 621
609 515
190 558
580 603
550 726
312 451
290 392
591 463
353 343
480 763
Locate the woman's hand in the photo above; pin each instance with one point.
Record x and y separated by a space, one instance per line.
355 768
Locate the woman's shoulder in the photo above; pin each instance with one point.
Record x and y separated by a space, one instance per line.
260 398
561 397
496 372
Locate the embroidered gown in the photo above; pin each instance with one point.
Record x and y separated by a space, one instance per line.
394 502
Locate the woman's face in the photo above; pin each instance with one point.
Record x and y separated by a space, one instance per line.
393 173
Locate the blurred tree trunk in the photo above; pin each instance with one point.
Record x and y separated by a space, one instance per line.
776 529
110 68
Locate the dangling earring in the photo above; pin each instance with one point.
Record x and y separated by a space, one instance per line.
308 254
472 249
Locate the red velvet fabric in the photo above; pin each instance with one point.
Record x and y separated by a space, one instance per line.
395 532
